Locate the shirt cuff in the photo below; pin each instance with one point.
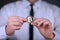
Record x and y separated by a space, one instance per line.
57 36
2 33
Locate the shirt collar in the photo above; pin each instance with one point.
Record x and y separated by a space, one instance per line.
37 4
26 3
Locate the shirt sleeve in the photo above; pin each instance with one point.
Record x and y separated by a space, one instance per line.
2 33
57 23
57 36
3 21
57 29
5 11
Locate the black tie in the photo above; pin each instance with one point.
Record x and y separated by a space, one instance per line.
31 26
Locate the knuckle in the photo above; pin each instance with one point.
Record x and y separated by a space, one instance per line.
21 22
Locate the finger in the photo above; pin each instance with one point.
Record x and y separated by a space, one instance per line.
13 20
35 19
16 27
38 20
13 17
23 19
35 22
15 23
41 23
46 24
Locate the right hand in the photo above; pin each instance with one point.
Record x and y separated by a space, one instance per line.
14 23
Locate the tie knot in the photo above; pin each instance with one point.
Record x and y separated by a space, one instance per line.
31 5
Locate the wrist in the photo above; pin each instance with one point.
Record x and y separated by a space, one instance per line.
8 31
51 37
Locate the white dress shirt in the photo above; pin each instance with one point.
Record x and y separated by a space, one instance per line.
22 9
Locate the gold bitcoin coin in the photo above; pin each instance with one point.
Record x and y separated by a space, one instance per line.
30 19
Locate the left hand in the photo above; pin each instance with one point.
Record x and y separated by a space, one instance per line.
44 26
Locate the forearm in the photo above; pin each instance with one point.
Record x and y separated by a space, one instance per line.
2 32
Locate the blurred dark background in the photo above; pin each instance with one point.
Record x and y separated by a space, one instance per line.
4 2
54 2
